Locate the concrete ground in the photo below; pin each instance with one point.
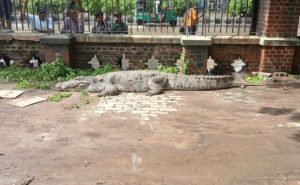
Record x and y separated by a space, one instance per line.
225 137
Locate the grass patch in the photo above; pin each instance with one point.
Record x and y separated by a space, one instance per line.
255 79
58 96
172 69
85 98
42 77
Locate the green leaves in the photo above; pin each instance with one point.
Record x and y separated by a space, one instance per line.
240 7
185 63
172 69
58 96
255 79
42 77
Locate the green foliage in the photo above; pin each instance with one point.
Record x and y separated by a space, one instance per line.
53 71
92 6
84 98
255 79
57 6
58 96
172 69
185 62
24 84
125 6
42 85
42 77
240 7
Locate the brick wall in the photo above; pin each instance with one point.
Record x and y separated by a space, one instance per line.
138 54
258 58
296 64
276 58
279 18
20 51
224 55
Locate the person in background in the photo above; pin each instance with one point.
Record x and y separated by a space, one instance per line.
73 21
119 26
40 22
24 9
191 19
101 24
5 14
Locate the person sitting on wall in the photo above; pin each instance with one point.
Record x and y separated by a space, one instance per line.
73 22
40 22
119 26
5 14
101 25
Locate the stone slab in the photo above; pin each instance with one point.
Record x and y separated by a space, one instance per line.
241 40
195 41
6 37
273 41
28 36
10 94
24 102
139 39
58 39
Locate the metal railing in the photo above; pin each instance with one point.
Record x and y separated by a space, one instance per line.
208 17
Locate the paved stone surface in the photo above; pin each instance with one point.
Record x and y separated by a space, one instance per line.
140 105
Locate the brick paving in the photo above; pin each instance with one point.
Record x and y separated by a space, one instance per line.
141 105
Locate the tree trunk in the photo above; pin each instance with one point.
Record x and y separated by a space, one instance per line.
118 5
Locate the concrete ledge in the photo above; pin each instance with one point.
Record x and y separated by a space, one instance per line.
6 37
139 39
273 41
58 39
195 41
25 36
236 40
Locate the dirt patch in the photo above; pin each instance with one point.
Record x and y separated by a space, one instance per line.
233 136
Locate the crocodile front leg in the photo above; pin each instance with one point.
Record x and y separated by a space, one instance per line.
156 85
109 90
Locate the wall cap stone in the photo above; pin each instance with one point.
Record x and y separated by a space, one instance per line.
139 39
195 41
275 41
57 39
236 40
25 36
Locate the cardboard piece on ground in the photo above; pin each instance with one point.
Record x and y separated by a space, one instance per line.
23 102
10 94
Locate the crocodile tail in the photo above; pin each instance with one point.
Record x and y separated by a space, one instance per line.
198 82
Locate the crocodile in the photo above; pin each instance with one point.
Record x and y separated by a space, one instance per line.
150 81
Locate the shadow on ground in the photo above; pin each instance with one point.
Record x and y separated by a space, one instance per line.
293 116
296 136
275 111
293 85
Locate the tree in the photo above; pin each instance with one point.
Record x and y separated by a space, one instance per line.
240 8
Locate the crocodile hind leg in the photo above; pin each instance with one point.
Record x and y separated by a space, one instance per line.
156 85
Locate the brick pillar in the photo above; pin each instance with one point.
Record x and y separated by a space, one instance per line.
296 63
278 24
58 44
195 48
276 58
